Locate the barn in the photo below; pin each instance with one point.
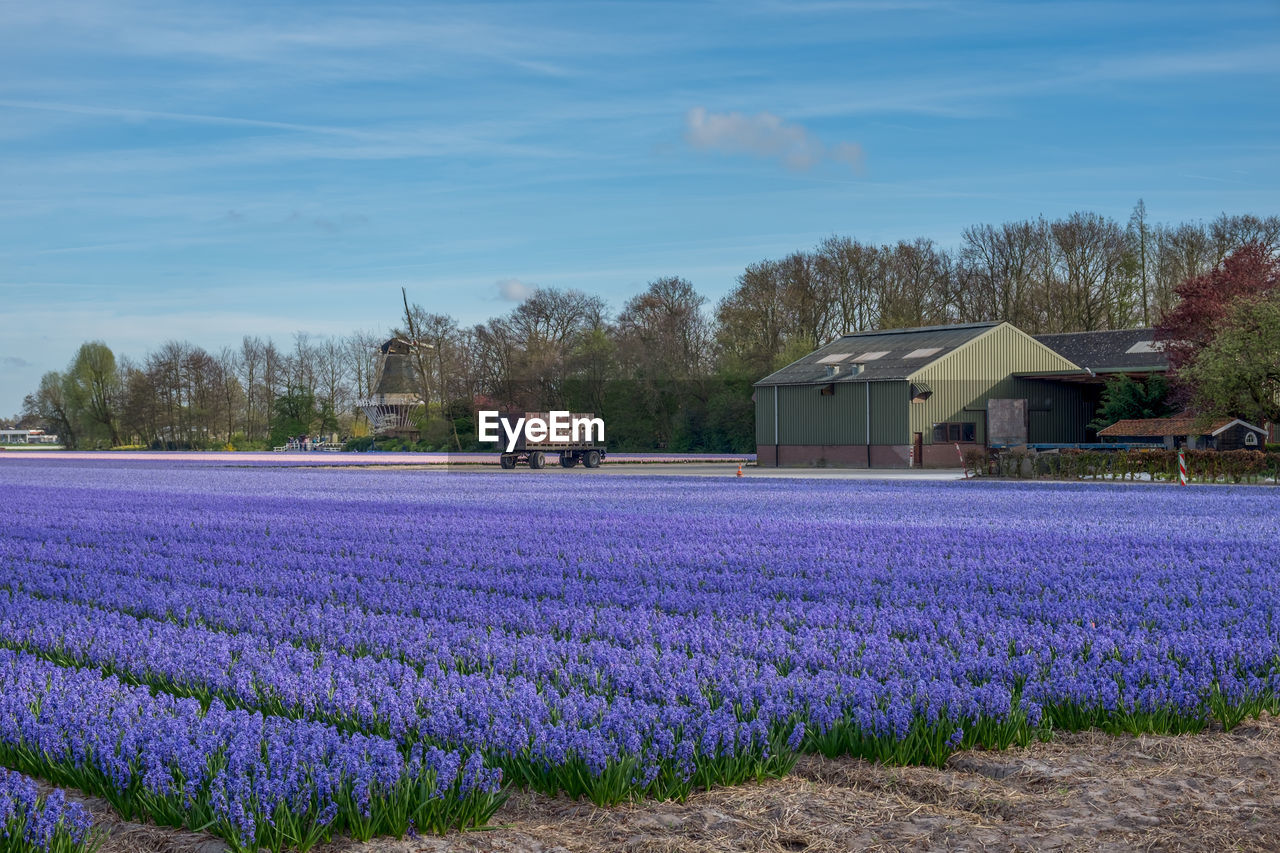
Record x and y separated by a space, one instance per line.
1186 431
908 397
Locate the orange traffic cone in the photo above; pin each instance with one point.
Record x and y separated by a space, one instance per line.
739 469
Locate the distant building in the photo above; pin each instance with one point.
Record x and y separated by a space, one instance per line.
921 397
27 436
1184 431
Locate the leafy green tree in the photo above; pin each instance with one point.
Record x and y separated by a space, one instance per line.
94 384
295 414
1238 373
1125 398
731 416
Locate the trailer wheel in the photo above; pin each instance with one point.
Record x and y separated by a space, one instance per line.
592 459
568 460
537 460
507 461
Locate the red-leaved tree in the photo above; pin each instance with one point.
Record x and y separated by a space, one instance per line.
1205 301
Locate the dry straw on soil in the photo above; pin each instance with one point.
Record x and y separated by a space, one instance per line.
1213 791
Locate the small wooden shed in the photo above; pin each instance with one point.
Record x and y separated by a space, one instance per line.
1172 433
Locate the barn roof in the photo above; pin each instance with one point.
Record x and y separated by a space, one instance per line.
1159 427
892 354
1121 350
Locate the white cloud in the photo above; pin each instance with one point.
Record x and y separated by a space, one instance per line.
514 290
764 135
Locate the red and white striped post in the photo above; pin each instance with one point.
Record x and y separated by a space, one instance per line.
1182 467
963 466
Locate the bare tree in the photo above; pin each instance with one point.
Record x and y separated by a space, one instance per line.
1229 233
1002 268
916 285
332 379
50 405
547 326
1091 285
851 274
301 365
1140 245
232 397
251 364
663 331
1182 253
139 408
497 358
663 351
202 378
752 331
274 383
812 314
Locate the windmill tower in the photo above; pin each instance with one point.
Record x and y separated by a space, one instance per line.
396 391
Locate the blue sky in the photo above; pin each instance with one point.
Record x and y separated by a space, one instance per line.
206 171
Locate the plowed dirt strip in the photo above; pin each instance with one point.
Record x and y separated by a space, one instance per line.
1081 792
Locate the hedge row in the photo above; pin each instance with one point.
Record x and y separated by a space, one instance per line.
1203 466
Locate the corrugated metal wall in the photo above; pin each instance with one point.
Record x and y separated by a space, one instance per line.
764 415
806 416
889 416
963 381
1057 411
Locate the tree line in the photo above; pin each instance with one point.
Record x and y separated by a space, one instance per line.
667 371
1082 273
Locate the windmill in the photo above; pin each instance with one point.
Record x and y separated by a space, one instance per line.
396 392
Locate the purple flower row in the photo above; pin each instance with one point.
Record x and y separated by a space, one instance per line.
31 823
255 780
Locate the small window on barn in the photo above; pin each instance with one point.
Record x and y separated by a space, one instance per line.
1251 438
835 358
1142 347
954 433
923 353
871 356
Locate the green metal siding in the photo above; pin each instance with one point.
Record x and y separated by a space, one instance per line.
1057 410
964 380
890 423
764 415
806 416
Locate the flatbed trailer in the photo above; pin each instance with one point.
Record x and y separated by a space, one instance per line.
534 453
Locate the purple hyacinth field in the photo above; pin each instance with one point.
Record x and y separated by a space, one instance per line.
278 656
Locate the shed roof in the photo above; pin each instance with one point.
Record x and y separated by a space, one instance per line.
1159 427
1107 352
891 354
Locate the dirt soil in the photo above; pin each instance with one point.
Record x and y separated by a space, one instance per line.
1214 791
